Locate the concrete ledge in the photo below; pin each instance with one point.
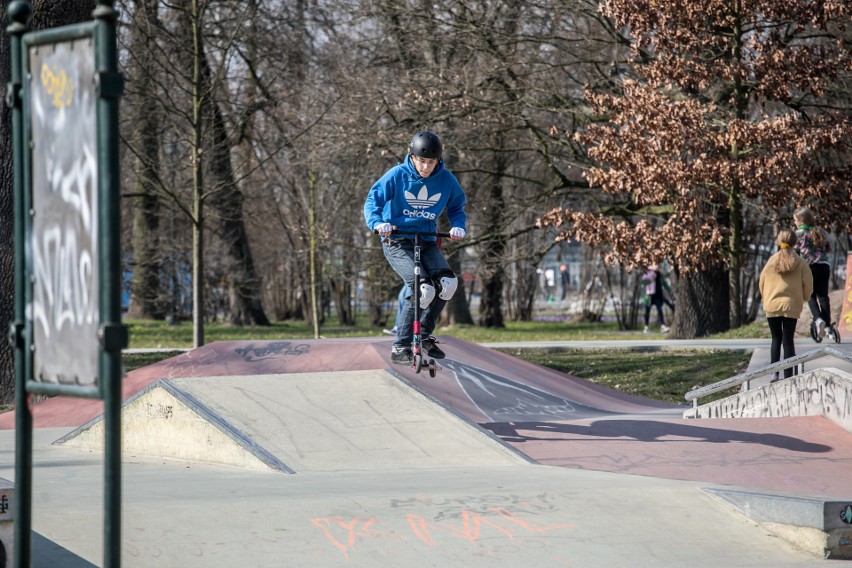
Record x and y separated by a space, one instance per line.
163 420
299 422
822 392
815 525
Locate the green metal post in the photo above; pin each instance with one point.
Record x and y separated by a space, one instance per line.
113 334
19 12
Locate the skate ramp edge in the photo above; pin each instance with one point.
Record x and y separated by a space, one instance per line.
812 524
823 392
363 420
165 421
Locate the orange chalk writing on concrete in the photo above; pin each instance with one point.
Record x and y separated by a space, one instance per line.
469 526
470 529
344 534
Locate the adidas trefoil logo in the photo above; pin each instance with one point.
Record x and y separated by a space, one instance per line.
422 199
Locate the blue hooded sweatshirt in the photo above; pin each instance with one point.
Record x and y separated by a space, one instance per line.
412 203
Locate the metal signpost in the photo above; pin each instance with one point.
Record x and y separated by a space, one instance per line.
67 332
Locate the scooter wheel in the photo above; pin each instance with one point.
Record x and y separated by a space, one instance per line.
433 368
836 333
418 363
814 335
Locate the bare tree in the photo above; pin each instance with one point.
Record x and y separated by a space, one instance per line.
493 78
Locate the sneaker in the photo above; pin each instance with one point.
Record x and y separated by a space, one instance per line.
646 330
391 331
820 327
431 349
402 355
664 329
829 331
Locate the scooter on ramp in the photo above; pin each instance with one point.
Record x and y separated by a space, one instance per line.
420 360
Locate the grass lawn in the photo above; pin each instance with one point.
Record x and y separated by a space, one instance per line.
664 375
158 334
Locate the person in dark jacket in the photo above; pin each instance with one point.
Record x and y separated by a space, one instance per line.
813 246
654 294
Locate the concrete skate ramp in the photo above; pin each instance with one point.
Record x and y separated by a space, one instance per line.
222 358
307 422
489 386
479 383
551 417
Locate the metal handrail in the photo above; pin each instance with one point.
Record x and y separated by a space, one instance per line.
778 366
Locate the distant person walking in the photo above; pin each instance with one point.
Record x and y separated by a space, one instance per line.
654 295
565 279
813 246
785 284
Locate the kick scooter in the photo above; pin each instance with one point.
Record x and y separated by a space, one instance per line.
419 362
830 330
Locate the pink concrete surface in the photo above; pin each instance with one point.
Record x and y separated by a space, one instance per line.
804 455
619 433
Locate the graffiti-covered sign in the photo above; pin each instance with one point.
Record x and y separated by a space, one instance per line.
63 237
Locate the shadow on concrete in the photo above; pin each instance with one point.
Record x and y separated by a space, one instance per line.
647 431
48 554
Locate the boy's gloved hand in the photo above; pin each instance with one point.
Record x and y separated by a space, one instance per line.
457 233
384 229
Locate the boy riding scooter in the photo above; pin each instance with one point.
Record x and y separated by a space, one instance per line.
409 198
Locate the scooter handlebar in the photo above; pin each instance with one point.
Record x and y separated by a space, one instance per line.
396 231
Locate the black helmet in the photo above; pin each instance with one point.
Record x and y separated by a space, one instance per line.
426 144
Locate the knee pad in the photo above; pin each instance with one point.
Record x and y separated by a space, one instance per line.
447 283
427 294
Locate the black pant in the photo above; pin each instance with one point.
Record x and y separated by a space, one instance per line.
658 302
818 302
783 331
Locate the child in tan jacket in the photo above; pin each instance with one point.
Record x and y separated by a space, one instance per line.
785 284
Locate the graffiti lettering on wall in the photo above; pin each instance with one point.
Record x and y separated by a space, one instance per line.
56 83
64 236
272 349
473 521
817 393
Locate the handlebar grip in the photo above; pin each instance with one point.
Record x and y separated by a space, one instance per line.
396 231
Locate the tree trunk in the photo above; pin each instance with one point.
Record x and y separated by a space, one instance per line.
457 309
7 219
197 180
145 289
491 251
341 291
702 304
735 207
227 200
381 284
45 15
